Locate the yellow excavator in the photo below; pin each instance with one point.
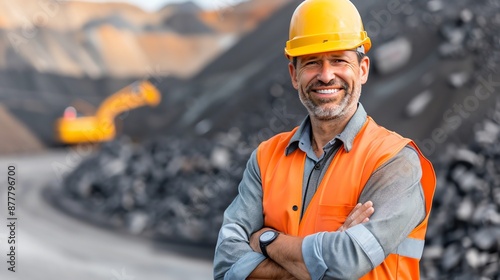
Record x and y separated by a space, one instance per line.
73 129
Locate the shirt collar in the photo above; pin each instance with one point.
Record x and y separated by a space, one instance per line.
302 137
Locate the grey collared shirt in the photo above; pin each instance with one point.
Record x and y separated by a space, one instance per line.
394 189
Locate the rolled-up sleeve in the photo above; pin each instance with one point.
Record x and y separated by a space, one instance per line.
397 196
234 258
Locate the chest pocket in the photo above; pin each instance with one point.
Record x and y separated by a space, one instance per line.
331 217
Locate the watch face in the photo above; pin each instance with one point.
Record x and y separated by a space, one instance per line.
266 236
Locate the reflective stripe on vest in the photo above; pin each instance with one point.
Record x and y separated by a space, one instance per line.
411 248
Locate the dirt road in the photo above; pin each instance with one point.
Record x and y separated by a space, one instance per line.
52 245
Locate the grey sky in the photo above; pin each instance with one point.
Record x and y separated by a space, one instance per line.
151 5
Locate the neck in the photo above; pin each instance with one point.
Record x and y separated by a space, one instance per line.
323 131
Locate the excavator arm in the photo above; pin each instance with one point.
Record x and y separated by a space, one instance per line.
71 129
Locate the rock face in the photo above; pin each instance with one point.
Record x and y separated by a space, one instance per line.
61 53
17 138
84 39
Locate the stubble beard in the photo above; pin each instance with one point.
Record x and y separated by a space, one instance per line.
323 113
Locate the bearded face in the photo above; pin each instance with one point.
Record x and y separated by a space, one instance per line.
329 84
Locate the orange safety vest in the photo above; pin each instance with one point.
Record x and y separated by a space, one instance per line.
282 178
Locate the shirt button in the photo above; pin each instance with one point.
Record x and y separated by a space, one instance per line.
295 208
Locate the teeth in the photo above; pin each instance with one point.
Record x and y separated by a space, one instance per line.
327 91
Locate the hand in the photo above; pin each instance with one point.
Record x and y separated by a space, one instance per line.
254 239
360 214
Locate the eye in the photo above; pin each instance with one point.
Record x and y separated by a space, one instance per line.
311 62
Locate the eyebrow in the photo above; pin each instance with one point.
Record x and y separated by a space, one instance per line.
313 57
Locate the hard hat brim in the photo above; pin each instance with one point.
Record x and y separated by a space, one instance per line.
326 43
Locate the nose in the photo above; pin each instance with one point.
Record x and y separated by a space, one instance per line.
327 73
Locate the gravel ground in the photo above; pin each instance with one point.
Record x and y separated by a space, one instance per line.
53 245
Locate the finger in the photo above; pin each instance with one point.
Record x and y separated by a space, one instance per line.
365 215
370 211
360 210
357 206
368 204
361 214
366 210
354 213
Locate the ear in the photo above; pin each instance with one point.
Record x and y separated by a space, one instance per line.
293 75
364 69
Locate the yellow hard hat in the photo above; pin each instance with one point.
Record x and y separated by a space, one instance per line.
326 25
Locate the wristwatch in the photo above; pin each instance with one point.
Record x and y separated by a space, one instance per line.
266 238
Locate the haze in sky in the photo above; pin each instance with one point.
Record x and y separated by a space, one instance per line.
152 5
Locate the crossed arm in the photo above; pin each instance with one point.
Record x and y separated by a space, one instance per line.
285 252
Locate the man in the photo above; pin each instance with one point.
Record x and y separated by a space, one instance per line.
299 186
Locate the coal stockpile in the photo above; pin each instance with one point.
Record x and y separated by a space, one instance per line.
463 237
168 188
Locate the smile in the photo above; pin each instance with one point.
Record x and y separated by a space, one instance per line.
327 91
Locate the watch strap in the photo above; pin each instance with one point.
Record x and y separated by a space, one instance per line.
264 250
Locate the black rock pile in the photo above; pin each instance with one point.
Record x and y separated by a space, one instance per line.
463 237
168 188
467 28
470 29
